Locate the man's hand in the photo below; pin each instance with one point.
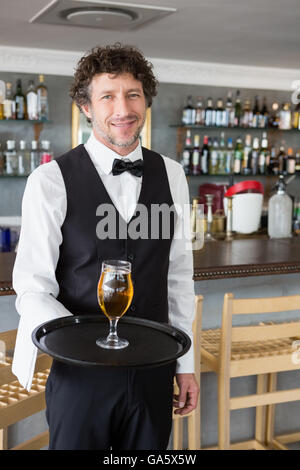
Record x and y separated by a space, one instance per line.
187 399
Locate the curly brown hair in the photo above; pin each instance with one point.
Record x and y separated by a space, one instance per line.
114 59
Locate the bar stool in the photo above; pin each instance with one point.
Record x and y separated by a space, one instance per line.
193 418
261 350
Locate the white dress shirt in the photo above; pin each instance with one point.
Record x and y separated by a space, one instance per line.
44 209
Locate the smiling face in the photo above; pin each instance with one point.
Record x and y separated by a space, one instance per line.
117 111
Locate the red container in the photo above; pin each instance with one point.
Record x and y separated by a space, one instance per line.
218 191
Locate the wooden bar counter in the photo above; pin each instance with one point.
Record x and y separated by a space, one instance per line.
217 260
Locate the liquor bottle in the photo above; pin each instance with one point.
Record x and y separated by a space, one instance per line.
238 157
31 100
20 101
255 156
237 110
200 112
247 116
196 169
34 156
210 113
274 163
291 163
229 157
9 108
297 162
21 157
205 156
280 212
296 117
262 158
246 164
229 112
256 113
264 115
222 156
282 157
46 153
275 116
2 162
214 158
219 113
11 158
285 117
42 100
186 155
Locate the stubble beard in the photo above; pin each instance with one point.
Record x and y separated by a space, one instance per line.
111 139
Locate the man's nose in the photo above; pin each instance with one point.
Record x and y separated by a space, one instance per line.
122 106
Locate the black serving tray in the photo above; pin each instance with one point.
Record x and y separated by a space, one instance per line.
72 340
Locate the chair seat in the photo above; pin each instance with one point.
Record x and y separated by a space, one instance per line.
247 349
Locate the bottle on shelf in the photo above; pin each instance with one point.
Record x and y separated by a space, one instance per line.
297 162
264 114
186 154
229 157
275 116
273 168
238 156
237 110
222 155
219 113
42 100
200 112
246 163
210 113
247 116
214 158
46 154
255 156
196 168
291 162
205 156
255 113
285 117
263 155
296 117
11 167
21 157
34 156
2 161
229 111
282 160
20 102
9 106
31 101
280 212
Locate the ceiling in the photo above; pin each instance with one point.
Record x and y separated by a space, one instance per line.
243 32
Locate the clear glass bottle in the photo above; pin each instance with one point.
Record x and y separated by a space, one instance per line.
246 164
22 167
229 157
285 121
31 100
214 158
238 156
42 100
34 156
11 167
280 212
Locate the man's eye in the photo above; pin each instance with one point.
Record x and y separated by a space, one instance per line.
106 97
134 95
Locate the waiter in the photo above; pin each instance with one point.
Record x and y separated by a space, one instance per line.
59 260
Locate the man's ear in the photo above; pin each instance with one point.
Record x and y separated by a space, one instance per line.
86 110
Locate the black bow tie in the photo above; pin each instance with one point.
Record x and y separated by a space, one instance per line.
136 168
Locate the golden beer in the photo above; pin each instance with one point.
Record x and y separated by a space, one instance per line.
115 293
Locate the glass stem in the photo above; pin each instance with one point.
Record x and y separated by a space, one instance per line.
113 330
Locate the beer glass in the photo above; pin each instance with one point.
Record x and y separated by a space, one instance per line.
115 292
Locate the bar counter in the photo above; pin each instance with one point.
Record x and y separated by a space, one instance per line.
217 260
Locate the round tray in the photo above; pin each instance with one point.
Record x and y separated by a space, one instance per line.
72 339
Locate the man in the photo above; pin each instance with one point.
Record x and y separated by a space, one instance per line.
59 261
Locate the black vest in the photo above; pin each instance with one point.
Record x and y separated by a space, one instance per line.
82 252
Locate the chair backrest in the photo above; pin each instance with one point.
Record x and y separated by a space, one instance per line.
258 306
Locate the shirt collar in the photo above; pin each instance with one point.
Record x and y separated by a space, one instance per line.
103 156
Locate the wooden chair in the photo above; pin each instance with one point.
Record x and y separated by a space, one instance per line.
193 418
16 403
262 350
